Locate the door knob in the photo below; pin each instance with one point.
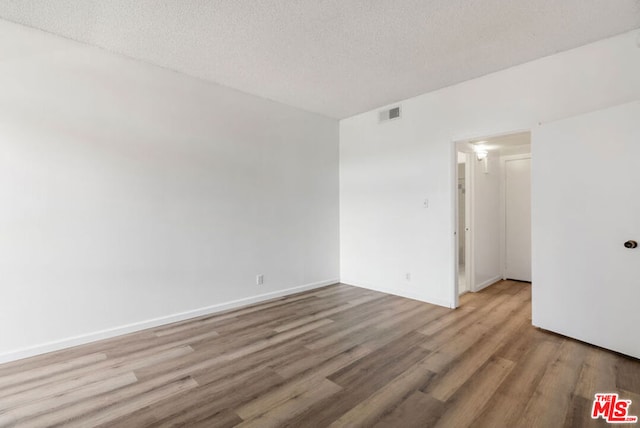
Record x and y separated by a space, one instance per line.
630 244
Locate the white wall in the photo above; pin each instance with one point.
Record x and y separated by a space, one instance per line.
387 170
585 206
515 150
487 222
131 194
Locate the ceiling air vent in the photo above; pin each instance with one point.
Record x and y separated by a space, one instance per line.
390 114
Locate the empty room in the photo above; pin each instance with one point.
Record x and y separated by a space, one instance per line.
225 213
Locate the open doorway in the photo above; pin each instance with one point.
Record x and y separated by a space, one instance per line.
493 211
463 220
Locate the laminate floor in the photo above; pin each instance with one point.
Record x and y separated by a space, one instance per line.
339 356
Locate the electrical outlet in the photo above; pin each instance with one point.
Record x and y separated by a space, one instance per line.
407 276
259 279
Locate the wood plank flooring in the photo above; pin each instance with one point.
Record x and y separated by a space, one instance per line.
339 356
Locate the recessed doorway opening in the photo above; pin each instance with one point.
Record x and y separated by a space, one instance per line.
493 211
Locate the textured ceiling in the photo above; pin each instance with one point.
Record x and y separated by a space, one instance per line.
334 57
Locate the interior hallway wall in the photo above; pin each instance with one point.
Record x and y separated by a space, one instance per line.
487 223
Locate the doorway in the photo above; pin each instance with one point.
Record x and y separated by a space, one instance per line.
463 221
493 211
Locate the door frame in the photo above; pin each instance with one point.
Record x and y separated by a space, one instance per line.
453 164
468 219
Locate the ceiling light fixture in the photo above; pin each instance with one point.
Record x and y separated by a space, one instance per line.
481 154
480 150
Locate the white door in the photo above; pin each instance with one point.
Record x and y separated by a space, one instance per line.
586 206
517 185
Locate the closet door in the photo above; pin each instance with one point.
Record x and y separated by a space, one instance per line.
517 186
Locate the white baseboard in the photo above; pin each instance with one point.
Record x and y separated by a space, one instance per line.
155 322
487 283
401 293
